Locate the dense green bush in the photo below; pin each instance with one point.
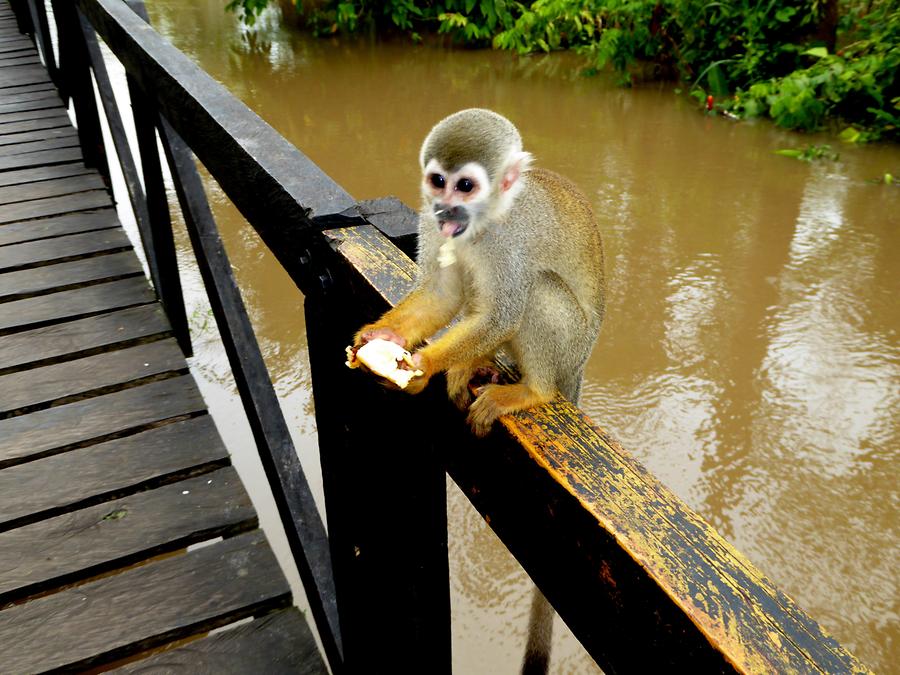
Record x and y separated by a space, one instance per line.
799 62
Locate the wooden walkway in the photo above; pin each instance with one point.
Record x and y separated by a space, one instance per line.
110 466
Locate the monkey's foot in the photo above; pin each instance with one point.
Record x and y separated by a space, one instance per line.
369 333
461 376
495 400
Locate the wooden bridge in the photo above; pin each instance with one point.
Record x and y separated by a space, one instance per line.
109 462
125 534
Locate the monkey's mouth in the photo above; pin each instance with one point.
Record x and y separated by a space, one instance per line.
452 228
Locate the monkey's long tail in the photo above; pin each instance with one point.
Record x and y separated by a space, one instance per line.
540 633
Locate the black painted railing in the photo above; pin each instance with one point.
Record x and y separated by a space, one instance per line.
642 581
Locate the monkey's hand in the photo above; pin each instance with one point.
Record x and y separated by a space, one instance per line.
374 331
419 382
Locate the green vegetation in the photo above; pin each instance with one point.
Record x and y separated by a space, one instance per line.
800 62
810 153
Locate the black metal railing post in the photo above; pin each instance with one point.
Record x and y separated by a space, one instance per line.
385 493
290 488
124 154
76 74
146 122
23 17
41 26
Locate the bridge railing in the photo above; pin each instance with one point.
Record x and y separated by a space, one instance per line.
642 581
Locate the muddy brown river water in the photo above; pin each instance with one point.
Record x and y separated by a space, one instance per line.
751 354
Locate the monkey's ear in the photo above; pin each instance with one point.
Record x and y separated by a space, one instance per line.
516 164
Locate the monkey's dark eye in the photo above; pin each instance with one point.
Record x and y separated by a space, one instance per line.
465 185
437 180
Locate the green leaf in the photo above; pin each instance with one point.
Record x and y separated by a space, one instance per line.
789 152
785 13
819 52
850 135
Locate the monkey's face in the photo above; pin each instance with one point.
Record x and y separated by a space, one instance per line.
457 198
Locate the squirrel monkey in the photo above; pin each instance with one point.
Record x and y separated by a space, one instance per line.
515 254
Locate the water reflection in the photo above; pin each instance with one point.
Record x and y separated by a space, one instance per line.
750 356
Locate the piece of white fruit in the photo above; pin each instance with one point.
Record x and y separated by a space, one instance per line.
383 358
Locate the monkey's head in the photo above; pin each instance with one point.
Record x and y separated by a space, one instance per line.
472 162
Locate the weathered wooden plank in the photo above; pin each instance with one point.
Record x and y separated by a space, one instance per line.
14 38
42 208
153 604
99 538
50 278
81 337
44 432
74 304
13 139
91 374
29 147
57 226
52 188
40 158
13 93
26 115
45 487
31 125
16 46
23 75
280 642
40 94
23 176
26 58
16 54
44 251
32 104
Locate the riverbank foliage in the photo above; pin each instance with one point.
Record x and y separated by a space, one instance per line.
800 62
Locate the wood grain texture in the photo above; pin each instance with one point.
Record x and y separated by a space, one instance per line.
27 115
32 95
41 208
51 188
33 104
60 156
28 136
44 172
73 304
19 256
662 585
27 148
39 90
93 540
81 337
26 59
21 284
42 386
166 600
14 46
277 644
44 432
34 124
28 75
58 226
15 91
44 488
